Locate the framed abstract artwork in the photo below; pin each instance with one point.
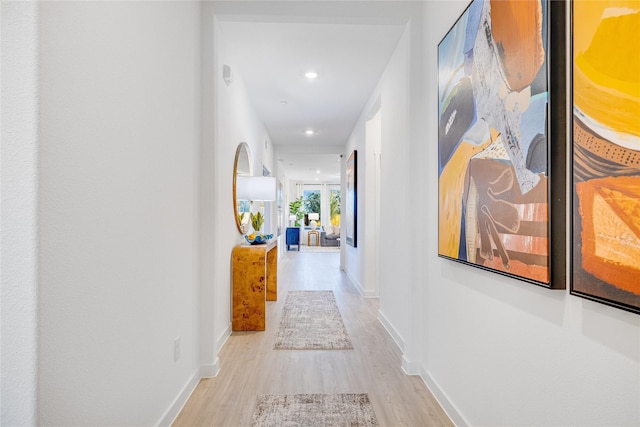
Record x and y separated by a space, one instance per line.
351 200
502 140
606 152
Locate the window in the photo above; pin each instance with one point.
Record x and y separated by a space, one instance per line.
334 204
312 201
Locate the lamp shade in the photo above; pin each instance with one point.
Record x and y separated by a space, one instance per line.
314 216
243 188
263 188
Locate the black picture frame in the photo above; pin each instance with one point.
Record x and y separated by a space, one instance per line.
480 212
603 171
351 200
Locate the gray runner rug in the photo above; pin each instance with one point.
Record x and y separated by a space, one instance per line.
311 321
314 410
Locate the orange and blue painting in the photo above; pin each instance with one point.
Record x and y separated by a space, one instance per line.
493 139
606 152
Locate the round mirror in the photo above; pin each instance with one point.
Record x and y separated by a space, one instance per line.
241 202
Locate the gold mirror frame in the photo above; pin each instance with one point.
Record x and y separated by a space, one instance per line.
241 167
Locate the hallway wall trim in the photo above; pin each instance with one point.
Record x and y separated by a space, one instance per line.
210 370
393 333
176 406
355 282
222 339
443 399
410 367
206 371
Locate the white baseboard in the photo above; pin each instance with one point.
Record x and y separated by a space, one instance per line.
397 338
361 290
176 406
205 371
224 336
449 408
357 284
210 371
409 367
415 368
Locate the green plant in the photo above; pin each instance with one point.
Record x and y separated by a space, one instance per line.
256 221
312 202
334 207
295 208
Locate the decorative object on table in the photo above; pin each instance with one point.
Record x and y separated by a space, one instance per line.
351 200
257 239
314 410
501 140
257 220
313 219
262 189
311 321
254 189
606 153
296 209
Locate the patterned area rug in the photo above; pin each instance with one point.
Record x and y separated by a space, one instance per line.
311 321
322 249
321 410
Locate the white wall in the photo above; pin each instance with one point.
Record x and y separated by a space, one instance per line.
18 211
398 224
119 100
353 259
209 362
234 121
395 228
499 351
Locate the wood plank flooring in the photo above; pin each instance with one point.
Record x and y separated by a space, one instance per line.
250 366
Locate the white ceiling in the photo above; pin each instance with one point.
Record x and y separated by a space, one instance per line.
272 58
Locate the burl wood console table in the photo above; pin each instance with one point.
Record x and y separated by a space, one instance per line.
254 274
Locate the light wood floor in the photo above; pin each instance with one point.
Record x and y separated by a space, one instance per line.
249 366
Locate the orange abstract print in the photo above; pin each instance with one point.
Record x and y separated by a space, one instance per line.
606 152
610 210
493 177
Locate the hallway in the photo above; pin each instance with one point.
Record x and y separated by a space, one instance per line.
250 366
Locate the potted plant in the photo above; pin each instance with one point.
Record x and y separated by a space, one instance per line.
256 221
296 208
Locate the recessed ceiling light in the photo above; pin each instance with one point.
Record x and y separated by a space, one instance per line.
317 171
309 131
316 179
311 75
